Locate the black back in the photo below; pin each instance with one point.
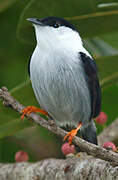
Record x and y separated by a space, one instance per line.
93 84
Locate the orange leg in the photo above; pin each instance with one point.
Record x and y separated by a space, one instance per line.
72 133
30 109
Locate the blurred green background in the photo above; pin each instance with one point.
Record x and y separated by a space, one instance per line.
96 21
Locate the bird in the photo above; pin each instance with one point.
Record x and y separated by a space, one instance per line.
64 78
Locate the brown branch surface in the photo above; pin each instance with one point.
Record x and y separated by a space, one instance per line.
89 148
109 134
58 169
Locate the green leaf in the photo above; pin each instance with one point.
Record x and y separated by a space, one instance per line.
4 4
108 70
110 102
10 121
12 127
14 56
7 114
86 16
109 105
99 47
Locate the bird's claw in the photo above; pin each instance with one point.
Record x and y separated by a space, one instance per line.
70 136
30 109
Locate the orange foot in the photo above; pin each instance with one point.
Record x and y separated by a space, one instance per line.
30 109
72 134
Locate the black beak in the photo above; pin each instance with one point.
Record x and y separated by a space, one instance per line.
35 21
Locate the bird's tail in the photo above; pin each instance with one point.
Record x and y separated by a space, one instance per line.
89 133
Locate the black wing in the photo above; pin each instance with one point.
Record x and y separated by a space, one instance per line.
93 83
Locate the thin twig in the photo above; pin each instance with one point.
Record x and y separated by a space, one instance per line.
89 148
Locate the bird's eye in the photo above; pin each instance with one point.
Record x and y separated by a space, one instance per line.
56 25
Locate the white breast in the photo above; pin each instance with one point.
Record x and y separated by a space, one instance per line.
60 87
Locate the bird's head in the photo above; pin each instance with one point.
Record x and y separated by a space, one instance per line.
54 30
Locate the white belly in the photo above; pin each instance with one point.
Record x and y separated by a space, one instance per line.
60 87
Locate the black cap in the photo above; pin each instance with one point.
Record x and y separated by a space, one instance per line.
52 21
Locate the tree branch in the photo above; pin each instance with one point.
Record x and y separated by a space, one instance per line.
110 133
58 169
89 148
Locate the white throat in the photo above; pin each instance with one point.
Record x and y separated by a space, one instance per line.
61 38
